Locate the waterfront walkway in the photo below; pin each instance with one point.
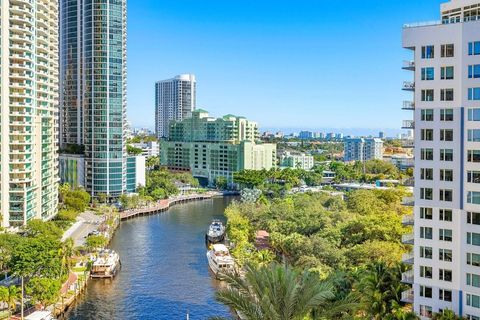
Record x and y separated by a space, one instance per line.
165 204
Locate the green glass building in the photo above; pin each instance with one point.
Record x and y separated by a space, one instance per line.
93 89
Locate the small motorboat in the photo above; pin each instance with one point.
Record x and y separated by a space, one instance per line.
219 260
216 232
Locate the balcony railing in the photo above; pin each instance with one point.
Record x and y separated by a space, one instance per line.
408 239
407 296
408 105
408 144
408 201
408 258
408 124
408 220
408 85
409 65
407 277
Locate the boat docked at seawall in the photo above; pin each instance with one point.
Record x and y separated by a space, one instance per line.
40 315
106 265
219 260
216 232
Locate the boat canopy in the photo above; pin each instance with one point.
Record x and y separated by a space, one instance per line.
220 248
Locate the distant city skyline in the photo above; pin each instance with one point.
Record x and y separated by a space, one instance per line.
282 65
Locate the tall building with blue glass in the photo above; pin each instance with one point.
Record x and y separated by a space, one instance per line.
93 89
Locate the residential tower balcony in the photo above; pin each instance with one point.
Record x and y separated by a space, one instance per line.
408 105
408 65
408 86
408 201
408 239
408 124
407 277
407 296
408 220
408 258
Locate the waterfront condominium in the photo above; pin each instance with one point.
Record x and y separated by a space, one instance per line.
211 148
175 100
28 111
93 90
446 105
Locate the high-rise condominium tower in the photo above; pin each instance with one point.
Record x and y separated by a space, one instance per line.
446 105
28 110
175 99
93 89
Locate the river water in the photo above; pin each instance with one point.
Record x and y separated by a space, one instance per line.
164 271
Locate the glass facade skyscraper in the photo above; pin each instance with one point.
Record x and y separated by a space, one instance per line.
93 89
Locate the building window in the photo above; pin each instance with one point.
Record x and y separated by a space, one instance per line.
446 73
426 193
473 259
446 135
474 114
473 280
473 218
445 215
473 93
427 114
427 154
473 238
473 48
445 235
445 275
445 295
473 135
426 174
426 311
474 71
425 292
426 134
428 73
470 317
446 175
426 213
426 252
426 272
427 95
447 50
473 197
446 195
445 255
428 52
426 233
446 154
446 114
446 95
473 176
473 300
473 156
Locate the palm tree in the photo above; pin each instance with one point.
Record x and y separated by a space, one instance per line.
3 296
446 315
275 292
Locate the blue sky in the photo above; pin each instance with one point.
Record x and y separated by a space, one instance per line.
285 64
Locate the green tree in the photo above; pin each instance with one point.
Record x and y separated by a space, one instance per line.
14 294
446 315
131 150
39 228
221 183
3 295
95 242
43 290
275 292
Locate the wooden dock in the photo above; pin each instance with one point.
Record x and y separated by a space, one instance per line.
164 205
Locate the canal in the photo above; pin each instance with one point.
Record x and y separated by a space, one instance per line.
164 271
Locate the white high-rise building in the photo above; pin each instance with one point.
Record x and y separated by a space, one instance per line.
446 105
363 149
175 99
28 111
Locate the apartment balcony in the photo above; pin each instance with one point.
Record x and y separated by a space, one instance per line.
408 86
408 124
408 258
407 277
408 144
408 220
408 239
408 105
408 65
407 296
408 201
